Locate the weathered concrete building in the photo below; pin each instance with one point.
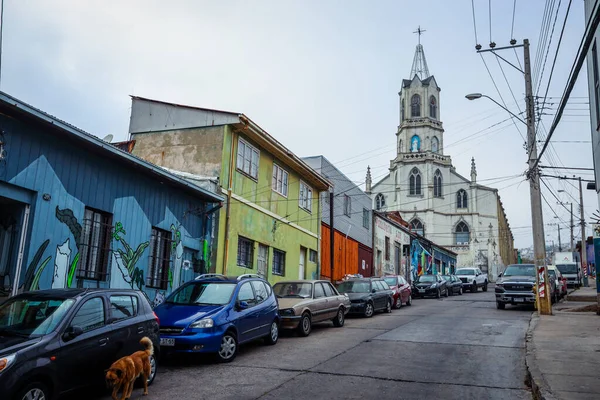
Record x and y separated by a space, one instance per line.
76 211
271 220
423 185
352 207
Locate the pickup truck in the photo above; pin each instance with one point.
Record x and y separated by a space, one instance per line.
515 286
472 278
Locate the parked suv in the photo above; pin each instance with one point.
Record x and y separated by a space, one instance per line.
216 313
367 295
515 286
54 341
472 278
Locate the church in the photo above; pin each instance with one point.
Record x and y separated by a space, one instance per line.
438 202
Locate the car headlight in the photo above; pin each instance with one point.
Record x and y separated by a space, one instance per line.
287 312
203 323
500 285
434 286
7 361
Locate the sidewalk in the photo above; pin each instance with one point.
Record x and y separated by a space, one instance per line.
563 350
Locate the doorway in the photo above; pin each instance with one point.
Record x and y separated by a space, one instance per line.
302 262
397 258
11 222
263 258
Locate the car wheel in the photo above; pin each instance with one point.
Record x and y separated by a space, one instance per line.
460 291
399 301
273 335
485 286
474 287
305 325
500 305
34 391
339 319
153 365
369 310
388 307
409 301
229 347
438 294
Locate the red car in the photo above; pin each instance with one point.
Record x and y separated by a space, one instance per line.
401 288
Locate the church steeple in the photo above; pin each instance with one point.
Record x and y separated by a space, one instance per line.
419 65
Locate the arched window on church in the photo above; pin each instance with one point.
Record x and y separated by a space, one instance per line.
437 183
400 149
432 107
462 233
417 226
435 144
461 199
402 110
379 201
415 106
396 186
415 182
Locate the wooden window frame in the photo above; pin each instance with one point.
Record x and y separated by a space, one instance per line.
243 158
285 181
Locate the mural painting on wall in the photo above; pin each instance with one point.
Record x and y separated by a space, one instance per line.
177 247
127 259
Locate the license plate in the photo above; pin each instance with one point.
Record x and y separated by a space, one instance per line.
167 342
421 290
519 300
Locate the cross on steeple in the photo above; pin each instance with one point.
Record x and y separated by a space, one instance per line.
419 31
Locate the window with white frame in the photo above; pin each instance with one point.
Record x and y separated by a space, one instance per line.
305 197
245 254
379 201
247 159
280 180
462 233
278 262
347 205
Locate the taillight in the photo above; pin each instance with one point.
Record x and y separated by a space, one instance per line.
157 319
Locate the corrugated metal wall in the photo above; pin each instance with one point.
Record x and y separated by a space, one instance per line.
345 255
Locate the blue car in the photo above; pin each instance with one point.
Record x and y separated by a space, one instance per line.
215 314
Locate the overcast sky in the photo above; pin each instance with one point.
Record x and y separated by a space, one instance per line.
321 76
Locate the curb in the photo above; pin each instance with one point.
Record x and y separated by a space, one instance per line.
539 387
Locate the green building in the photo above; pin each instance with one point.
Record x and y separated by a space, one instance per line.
270 221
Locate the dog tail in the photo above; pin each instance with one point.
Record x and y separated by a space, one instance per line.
147 343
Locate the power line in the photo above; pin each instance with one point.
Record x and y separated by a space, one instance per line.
512 29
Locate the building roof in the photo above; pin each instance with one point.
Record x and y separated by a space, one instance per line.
96 144
197 117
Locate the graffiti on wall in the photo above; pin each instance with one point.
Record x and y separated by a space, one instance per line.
177 247
62 262
34 271
127 259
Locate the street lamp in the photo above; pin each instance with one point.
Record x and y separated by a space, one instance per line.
475 96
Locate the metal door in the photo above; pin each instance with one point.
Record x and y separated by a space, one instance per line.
302 263
263 257
397 255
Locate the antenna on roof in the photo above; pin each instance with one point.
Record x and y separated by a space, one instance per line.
108 138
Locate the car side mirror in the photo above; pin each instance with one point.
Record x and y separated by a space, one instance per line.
373 290
500 274
72 332
242 305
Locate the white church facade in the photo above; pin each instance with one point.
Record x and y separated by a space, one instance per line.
423 185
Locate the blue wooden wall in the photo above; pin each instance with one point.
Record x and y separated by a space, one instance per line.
76 175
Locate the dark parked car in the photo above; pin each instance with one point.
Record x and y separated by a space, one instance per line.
216 313
516 286
429 285
401 289
367 295
454 284
54 341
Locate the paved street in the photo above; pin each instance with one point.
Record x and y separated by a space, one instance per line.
459 347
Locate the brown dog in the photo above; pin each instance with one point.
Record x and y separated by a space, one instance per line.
123 373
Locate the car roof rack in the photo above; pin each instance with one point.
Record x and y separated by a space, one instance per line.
203 276
245 276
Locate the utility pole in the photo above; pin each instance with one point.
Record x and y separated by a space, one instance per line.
572 226
331 235
583 238
543 294
559 244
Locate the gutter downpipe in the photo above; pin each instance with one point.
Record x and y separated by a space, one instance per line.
228 210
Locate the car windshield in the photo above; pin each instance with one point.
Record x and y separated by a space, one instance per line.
465 272
354 287
426 278
391 280
520 270
567 268
203 294
293 289
551 272
32 317
447 277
